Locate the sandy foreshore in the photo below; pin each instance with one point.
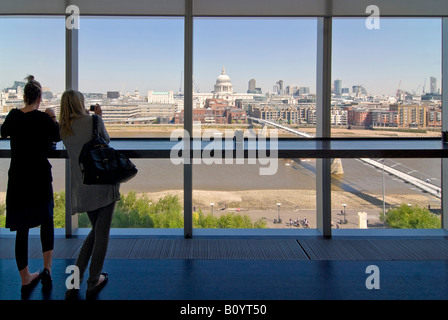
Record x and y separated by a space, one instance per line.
160 130
295 204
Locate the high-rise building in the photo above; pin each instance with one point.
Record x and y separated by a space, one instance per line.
278 87
252 86
359 90
433 84
304 90
113 94
338 87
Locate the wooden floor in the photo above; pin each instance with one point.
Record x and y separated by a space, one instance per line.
177 269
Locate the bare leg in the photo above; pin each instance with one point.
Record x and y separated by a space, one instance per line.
26 276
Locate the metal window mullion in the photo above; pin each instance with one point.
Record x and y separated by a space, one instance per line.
444 161
188 119
71 82
323 124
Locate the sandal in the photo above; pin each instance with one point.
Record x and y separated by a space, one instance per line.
46 280
91 293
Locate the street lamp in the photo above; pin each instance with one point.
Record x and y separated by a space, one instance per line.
278 213
344 205
212 204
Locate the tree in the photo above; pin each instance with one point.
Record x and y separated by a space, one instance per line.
2 214
59 209
411 217
134 211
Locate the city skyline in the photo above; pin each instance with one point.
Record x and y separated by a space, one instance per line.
125 54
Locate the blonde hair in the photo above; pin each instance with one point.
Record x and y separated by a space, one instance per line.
32 90
72 108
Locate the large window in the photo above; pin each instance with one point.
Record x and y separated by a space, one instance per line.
386 81
255 71
386 193
133 67
255 77
32 46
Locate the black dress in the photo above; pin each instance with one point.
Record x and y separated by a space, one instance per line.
29 195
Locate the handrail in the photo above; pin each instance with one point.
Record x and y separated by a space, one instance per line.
159 148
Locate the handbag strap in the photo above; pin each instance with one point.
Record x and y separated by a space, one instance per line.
95 133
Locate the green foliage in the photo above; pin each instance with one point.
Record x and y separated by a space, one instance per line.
140 212
414 217
228 220
2 214
134 211
59 209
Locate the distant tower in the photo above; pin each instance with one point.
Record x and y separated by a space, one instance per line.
433 84
252 85
337 87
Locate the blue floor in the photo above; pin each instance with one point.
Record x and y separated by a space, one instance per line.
143 279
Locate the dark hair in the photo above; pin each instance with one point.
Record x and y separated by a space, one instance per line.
32 91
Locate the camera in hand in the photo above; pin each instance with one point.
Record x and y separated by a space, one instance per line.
92 107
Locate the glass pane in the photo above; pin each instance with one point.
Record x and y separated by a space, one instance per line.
133 68
404 193
386 81
31 46
152 199
254 77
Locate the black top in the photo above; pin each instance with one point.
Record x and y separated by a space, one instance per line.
29 178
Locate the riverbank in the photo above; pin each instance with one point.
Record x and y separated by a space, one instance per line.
258 204
164 130
294 204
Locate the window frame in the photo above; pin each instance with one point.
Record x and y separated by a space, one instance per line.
324 10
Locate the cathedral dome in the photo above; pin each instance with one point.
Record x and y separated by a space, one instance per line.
223 83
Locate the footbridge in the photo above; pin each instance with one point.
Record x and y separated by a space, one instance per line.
270 123
417 182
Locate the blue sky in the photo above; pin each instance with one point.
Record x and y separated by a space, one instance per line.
125 54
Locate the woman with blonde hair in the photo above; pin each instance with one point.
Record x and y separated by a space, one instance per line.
97 200
29 195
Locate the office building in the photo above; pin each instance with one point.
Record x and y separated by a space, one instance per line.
161 97
433 85
338 87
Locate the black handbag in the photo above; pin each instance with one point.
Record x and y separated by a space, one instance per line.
102 164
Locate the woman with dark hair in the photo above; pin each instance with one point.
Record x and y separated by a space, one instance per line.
29 195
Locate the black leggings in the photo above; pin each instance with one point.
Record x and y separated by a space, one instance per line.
46 238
